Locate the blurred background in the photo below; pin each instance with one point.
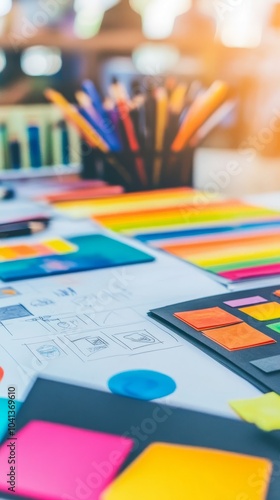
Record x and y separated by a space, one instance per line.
59 43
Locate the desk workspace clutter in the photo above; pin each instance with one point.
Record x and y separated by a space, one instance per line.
91 328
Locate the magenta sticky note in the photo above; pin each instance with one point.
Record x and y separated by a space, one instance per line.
55 462
247 301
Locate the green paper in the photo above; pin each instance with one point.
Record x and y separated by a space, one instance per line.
275 327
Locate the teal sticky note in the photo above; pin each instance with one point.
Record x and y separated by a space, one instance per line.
4 415
275 327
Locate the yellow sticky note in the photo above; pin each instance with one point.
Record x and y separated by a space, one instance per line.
60 246
263 412
7 253
166 471
263 312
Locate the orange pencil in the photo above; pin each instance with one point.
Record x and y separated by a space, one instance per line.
202 108
72 114
119 96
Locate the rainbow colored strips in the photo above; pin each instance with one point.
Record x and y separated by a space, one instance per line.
229 238
56 246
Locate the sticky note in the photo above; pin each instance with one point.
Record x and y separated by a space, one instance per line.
7 253
263 312
263 412
60 246
25 251
74 463
202 319
142 384
247 301
268 365
8 292
1 373
275 327
43 250
236 337
277 293
13 312
165 472
4 409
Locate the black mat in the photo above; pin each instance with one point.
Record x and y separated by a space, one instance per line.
238 361
147 422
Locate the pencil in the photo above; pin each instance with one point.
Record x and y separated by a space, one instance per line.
119 96
72 114
87 132
202 108
216 119
161 124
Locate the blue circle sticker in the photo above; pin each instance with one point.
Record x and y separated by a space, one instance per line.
142 384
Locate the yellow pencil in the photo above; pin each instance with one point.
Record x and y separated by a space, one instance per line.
161 124
72 114
177 99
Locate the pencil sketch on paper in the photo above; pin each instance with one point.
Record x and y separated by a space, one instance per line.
46 350
137 339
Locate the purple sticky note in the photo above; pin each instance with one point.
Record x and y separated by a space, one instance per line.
247 301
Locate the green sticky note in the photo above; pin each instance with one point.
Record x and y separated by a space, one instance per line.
264 412
275 327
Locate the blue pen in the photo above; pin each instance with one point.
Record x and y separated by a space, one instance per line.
15 154
104 122
89 87
34 146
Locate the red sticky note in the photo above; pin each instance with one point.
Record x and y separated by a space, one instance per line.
56 461
204 319
236 337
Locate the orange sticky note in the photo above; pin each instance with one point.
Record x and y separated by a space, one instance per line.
8 291
277 293
166 471
236 337
1 373
263 312
25 251
203 319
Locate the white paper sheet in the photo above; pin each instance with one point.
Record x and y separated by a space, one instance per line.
84 328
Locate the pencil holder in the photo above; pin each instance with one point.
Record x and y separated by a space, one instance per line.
142 171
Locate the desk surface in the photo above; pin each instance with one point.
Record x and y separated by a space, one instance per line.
202 383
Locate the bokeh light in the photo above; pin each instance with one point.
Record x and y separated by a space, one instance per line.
158 16
3 61
5 7
150 59
41 61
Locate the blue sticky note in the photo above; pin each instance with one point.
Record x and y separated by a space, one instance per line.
142 384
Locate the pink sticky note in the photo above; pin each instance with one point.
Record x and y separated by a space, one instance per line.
55 462
247 301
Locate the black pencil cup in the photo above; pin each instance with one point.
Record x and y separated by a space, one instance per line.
138 172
